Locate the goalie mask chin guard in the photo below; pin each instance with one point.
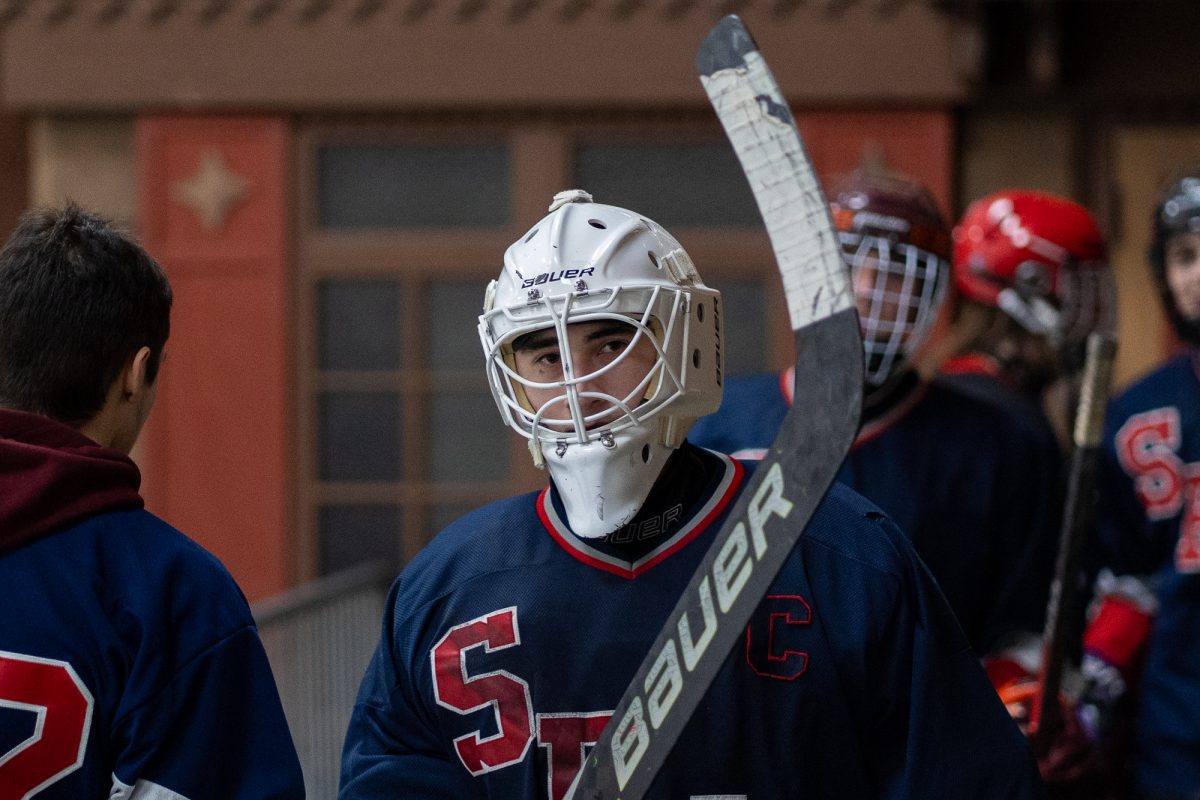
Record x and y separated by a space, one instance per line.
1041 259
585 263
897 245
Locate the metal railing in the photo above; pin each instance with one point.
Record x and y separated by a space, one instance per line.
319 638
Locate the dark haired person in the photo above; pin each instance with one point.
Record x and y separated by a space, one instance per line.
130 667
1147 626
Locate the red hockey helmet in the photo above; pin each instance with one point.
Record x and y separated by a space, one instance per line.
1038 257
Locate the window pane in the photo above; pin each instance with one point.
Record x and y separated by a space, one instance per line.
745 326
358 324
403 186
351 535
360 436
466 439
453 336
441 516
680 183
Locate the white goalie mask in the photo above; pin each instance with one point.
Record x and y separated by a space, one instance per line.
590 263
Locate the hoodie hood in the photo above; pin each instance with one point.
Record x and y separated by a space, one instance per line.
52 476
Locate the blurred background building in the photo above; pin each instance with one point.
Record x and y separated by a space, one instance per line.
330 183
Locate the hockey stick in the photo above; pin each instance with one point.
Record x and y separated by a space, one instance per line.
1064 591
782 495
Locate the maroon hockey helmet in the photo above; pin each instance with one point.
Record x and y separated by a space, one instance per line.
1038 257
898 247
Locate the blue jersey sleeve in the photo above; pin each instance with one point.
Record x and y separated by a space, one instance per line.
216 730
392 748
949 734
933 724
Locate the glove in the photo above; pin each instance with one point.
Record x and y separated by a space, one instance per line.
1068 758
1113 648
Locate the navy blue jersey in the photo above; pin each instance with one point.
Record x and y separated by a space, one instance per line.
130 667
508 642
1149 524
1024 408
971 483
752 409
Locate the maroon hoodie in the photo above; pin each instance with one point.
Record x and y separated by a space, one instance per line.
52 476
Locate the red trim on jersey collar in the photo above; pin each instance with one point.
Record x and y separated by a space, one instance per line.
979 364
579 549
876 427
972 364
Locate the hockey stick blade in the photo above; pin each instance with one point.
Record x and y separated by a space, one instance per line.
783 493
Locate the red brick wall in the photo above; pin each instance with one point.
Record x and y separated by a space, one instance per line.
217 449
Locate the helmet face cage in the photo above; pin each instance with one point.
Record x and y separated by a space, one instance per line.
588 262
897 245
562 418
899 288
1086 303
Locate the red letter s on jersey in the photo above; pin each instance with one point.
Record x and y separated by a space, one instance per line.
507 694
1146 446
53 691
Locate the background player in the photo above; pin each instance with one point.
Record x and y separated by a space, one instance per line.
1032 281
961 475
1149 526
129 664
508 641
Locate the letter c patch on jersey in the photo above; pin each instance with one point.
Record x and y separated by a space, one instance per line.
772 636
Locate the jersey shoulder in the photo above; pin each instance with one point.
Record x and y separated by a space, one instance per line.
1006 406
1173 383
502 535
752 409
756 387
851 528
148 570
138 557
862 566
997 418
